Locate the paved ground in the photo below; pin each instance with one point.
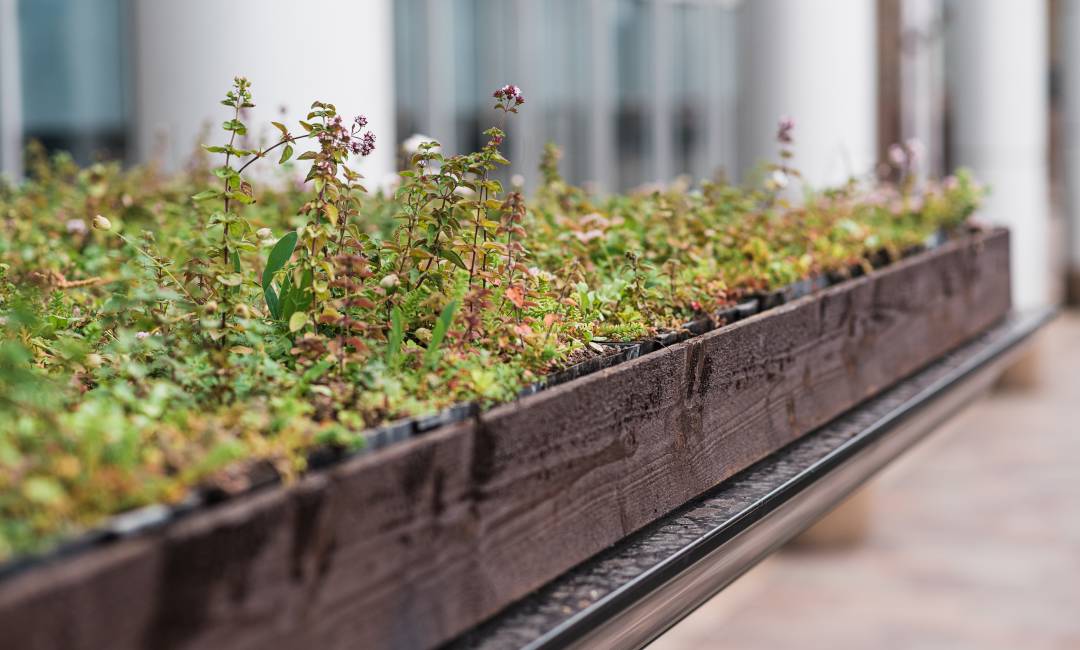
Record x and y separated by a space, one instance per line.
975 541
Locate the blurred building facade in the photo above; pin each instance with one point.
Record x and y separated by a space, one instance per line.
633 91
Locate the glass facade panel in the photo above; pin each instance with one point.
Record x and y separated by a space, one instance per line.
73 66
633 91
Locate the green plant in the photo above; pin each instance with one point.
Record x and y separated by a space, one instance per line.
150 345
275 261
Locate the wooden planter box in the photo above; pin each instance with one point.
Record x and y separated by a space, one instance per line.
409 546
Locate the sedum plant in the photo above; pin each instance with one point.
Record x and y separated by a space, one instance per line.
168 333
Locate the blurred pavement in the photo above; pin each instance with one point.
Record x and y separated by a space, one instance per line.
975 541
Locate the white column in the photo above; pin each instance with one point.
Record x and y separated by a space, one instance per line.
528 138
601 102
816 62
998 92
441 101
1068 41
721 69
188 52
922 82
661 125
10 92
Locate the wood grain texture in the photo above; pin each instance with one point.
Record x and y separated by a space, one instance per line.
409 546
580 591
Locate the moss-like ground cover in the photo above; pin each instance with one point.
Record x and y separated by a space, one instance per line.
164 332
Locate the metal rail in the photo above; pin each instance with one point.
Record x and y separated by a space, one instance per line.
630 594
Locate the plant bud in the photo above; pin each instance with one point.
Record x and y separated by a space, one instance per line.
390 281
264 233
101 223
211 307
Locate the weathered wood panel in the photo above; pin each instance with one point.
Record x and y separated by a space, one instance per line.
409 546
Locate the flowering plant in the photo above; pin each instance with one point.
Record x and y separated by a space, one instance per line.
151 345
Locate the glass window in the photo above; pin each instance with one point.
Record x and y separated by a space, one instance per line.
73 66
629 98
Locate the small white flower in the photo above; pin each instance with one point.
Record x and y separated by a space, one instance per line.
390 281
101 223
141 335
779 179
412 143
264 233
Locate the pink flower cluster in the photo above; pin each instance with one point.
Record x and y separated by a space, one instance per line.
355 139
509 97
510 92
905 155
784 128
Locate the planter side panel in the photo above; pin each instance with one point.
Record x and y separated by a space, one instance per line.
410 546
581 466
366 554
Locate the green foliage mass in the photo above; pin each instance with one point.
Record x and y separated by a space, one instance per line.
161 333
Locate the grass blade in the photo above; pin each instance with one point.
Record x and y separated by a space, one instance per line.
397 335
432 356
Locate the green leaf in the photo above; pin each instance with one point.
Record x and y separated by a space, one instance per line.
278 257
43 490
315 372
236 126
305 280
286 299
242 198
298 321
432 355
272 302
451 256
206 195
219 456
295 298
230 279
393 341
285 154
